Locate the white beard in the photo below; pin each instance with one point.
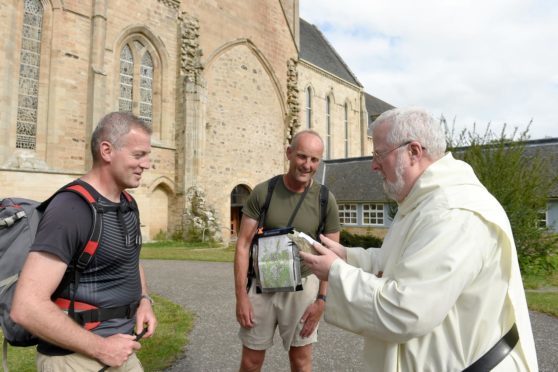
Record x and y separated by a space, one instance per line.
395 189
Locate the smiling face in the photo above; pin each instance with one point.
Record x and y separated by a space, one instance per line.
131 158
304 158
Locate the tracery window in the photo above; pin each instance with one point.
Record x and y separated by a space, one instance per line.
346 125
126 80
28 91
136 80
146 86
308 108
328 128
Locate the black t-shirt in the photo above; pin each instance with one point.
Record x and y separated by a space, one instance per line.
112 277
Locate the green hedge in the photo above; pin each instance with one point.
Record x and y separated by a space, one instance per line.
365 241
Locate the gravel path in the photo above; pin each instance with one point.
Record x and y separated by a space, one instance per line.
207 289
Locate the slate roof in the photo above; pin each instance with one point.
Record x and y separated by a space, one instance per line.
315 48
352 179
375 106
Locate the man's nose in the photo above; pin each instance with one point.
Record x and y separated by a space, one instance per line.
375 165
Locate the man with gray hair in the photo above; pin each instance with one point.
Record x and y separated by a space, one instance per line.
112 286
444 292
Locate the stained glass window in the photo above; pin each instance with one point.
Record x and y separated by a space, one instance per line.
126 80
146 88
308 108
346 125
28 91
328 128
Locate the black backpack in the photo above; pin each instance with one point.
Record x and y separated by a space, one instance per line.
324 198
19 219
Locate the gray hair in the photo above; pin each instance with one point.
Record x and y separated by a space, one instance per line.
296 137
414 124
112 128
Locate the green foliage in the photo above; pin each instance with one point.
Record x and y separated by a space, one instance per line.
520 183
355 240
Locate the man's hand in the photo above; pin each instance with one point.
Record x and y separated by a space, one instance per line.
320 264
244 312
311 317
337 248
145 317
116 349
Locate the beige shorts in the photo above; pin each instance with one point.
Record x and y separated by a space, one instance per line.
282 310
78 362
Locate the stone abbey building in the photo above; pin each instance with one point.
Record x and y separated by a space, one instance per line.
224 83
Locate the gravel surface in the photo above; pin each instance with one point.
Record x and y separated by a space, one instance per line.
207 290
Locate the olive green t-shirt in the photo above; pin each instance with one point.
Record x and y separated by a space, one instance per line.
283 203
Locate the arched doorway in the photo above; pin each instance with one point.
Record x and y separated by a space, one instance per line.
238 197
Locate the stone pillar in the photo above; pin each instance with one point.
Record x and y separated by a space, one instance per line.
192 104
97 75
293 105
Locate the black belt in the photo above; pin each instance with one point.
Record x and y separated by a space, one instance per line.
498 352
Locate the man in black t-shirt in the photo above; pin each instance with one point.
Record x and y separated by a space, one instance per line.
120 147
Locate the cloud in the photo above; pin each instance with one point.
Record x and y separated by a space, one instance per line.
476 61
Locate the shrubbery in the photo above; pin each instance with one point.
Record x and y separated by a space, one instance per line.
354 240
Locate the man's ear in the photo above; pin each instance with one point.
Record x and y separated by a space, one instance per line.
289 151
416 151
106 150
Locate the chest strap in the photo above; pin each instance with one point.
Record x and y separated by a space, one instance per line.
90 316
498 352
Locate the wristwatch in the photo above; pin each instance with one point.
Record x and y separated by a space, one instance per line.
148 298
321 297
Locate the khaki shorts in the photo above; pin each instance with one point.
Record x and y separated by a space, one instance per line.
282 310
78 362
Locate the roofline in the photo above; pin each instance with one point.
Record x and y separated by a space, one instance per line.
330 75
335 52
346 160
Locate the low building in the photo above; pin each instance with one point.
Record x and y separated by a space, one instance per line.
364 208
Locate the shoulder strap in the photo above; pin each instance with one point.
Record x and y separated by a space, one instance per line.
324 198
263 211
83 256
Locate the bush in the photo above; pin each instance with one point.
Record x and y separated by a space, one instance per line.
354 240
521 183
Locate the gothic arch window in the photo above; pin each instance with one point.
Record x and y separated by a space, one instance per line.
328 128
139 78
308 107
28 91
346 126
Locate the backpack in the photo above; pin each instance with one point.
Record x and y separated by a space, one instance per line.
324 198
19 219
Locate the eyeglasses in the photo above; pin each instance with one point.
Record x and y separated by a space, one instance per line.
380 156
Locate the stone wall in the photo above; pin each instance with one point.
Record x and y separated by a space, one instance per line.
227 95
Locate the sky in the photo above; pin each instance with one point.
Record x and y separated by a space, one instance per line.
476 62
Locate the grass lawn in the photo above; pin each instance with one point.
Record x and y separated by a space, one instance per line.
187 251
157 352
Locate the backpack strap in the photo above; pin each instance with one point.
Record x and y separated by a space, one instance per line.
324 198
261 220
88 315
263 210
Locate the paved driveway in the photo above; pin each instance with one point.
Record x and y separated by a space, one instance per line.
207 289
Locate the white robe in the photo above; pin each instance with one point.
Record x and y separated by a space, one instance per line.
451 286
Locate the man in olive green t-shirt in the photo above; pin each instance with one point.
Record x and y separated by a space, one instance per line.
296 314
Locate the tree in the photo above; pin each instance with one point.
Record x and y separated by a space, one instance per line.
521 182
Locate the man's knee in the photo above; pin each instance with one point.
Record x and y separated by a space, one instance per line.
252 360
301 358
